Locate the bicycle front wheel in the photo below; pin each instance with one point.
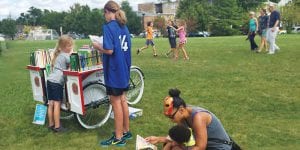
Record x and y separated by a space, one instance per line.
136 86
97 106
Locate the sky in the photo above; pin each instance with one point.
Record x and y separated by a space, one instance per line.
15 7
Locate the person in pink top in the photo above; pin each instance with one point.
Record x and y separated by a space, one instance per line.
182 38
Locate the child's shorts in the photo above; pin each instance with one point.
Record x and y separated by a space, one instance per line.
115 91
54 91
172 42
149 42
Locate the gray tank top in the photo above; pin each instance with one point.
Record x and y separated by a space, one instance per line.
61 63
215 130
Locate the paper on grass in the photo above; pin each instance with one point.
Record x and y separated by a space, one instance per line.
142 144
95 38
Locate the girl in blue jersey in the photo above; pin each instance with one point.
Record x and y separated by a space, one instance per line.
116 67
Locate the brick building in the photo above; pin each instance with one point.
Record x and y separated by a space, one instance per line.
149 11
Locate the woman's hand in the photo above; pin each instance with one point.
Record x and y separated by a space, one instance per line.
152 139
97 46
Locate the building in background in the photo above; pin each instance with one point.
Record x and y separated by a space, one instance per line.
149 11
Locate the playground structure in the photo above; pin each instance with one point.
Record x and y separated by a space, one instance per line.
42 34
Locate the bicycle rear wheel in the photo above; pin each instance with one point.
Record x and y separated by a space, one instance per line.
97 106
136 87
66 115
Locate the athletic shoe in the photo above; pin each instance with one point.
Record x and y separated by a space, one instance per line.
138 51
113 141
155 55
127 135
60 129
51 128
167 54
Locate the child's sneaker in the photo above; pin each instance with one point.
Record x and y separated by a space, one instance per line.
113 141
60 129
127 136
138 51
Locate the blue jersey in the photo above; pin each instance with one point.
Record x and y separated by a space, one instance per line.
275 15
116 67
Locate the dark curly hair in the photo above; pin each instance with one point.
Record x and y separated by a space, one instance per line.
177 100
180 134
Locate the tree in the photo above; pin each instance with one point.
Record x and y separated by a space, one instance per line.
133 21
248 5
8 27
96 22
160 22
52 19
210 15
290 14
188 11
35 16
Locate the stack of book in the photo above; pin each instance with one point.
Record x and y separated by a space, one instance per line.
41 57
86 58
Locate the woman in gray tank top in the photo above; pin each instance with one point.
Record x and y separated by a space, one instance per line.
207 129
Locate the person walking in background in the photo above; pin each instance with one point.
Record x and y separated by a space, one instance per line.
262 29
116 68
149 39
273 28
253 27
171 29
55 81
182 39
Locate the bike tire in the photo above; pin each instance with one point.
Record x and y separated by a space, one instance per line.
65 115
97 106
136 86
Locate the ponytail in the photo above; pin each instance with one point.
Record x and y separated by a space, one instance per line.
56 53
121 17
114 7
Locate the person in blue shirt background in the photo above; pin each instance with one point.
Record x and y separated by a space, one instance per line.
273 28
116 67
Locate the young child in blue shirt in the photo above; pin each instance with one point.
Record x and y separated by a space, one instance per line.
116 67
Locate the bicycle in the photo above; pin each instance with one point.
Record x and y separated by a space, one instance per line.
85 95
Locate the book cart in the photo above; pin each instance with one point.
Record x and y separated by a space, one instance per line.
84 91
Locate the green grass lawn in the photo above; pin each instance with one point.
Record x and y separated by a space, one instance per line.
256 96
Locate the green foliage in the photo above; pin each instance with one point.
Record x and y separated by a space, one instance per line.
133 21
222 28
248 5
256 96
290 14
53 19
211 15
9 27
160 23
33 17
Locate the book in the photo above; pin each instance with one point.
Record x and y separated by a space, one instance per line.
95 38
142 144
40 114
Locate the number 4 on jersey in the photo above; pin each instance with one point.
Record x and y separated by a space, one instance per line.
123 43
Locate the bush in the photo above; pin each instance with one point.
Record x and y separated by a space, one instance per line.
223 29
